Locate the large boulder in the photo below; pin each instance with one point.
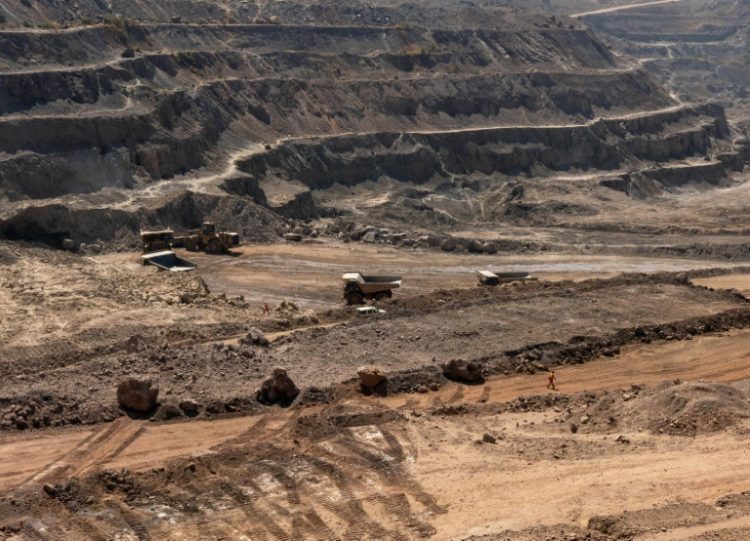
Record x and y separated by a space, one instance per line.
449 245
474 246
279 388
464 371
137 395
255 338
489 248
372 379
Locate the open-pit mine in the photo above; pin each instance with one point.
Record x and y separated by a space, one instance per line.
301 270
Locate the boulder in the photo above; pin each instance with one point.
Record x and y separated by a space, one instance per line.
255 338
168 411
370 237
190 407
137 395
474 246
465 371
279 388
449 245
372 379
489 248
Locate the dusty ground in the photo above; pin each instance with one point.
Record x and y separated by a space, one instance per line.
413 464
603 152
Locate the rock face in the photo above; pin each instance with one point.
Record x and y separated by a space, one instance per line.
465 371
137 395
372 379
279 388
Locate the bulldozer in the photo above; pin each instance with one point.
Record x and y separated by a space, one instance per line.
208 239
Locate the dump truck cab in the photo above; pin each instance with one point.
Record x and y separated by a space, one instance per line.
157 241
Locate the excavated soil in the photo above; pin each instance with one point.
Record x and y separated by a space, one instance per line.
598 144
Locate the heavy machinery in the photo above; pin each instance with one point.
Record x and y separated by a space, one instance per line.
489 278
157 241
359 287
208 239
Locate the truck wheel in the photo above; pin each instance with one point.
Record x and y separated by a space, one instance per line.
354 298
383 295
214 246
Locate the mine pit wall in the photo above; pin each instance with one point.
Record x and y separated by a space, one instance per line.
418 157
652 182
184 126
51 224
171 127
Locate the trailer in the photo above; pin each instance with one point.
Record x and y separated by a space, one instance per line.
167 260
359 287
489 278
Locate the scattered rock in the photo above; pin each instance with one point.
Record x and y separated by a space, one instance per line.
128 53
279 388
489 438
137 395
489 248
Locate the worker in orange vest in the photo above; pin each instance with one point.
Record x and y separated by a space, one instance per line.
551 378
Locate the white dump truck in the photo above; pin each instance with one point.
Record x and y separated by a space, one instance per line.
490 278
359 287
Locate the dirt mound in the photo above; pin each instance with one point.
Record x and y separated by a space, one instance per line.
694 408
675 408
331 420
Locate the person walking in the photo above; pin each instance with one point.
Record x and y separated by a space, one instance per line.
551 382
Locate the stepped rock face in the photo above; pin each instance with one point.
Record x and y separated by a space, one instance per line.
148 113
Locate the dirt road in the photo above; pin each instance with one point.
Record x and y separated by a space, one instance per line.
312 272
623 8
55 454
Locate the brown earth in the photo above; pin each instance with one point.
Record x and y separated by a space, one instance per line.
599 144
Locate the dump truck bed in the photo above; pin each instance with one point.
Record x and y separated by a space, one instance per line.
373 283
493 278
168 261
